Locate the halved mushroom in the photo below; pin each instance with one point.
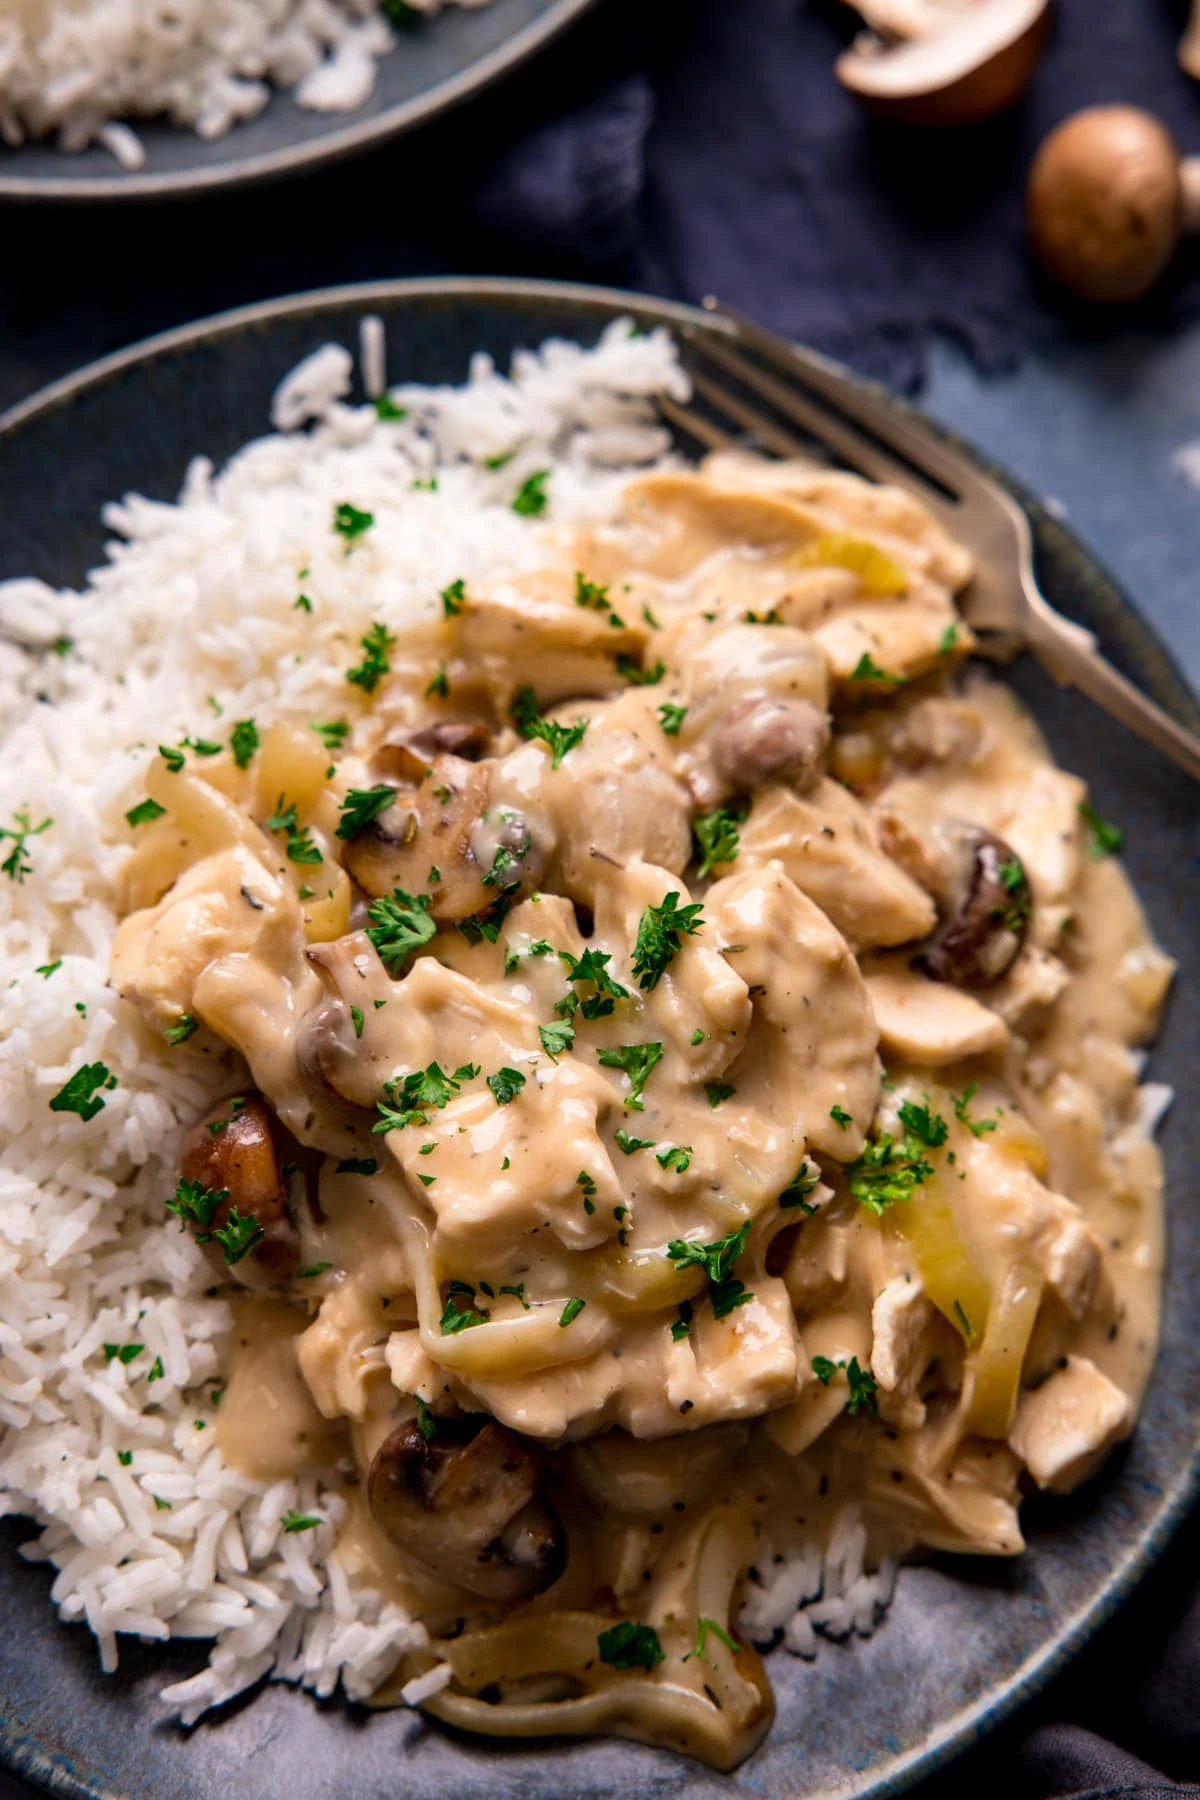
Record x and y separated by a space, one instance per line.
442 839
473 1512
406 755
232 1149
770 738
980 936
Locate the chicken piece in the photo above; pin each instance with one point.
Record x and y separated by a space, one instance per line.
1064 1429
1030 988
535 631
827 843
1074 1265
812 1043
902 637
929 1023
908 1336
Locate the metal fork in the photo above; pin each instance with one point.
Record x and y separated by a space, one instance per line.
1002 600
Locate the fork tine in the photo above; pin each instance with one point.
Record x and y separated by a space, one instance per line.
830 429
768 433
695 424
908 439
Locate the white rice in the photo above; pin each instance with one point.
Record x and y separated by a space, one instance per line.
190 625
72 67
793 1597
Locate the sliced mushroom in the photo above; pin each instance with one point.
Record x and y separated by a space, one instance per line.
406 755
233 1148
472 1512
770 738
978 940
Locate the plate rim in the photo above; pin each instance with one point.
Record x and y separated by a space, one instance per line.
341 141
27 1760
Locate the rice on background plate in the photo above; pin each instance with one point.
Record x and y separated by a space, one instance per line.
76 68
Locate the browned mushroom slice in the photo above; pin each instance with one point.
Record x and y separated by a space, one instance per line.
472 1512
429 828
770 738
405 755
232 1150
978 941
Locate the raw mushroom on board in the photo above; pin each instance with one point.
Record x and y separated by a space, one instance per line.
943 62
1109 198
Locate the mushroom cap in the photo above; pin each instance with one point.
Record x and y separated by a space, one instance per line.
1104 203
967 72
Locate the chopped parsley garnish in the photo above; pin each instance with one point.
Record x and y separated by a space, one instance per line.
571 1310
671 717
774 617
400 924
409 1098
698 1036
454 598
438 687
376 645
298 1521
518 1293
202 746
716 1259
683 1324
886 1172
46 970
861 1382
484 926
62 646
174 758
561 739
592 595
630 1646
81 1093
1106 839
356 1019
929 1127
960 1314
196 1205
182 1030
716 835
678 1158
637 676
334 733
703 1627
840 1117
718 1091
660 937
160 1505
428 484
460 1311
313 1270
122 1353
505 1084
238 1235
243 741
592 967
385 407
587 1186
949 639
630 1144
426 1423
357 1165
531 498
867 669
556 1038
143 814
976 1127
637 1060
501 459
155 1371
302 603
360 806
299 844
796 1193
124 1457
350 523
504 873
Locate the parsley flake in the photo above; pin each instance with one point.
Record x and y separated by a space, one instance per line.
243 741
360 806
716 835
182 1030
454 598
796 1193
867 669
531 499
725 1290
238 1236
81 1093
630 1144
671 717
408 1099
298 1521
886 1173
505 1084
630 1646
143 814
678 1158
377 643
976 1127
1106 839
718 1091
560 739
571 1310
400 924
556 1038
637 1061
660 937
350 523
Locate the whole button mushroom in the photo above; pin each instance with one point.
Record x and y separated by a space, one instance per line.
1107 202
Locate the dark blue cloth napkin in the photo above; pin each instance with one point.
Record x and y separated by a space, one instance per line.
720 154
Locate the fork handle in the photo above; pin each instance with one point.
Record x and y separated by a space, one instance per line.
1069 654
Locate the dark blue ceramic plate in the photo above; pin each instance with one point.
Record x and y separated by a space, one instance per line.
439 62
965 1641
